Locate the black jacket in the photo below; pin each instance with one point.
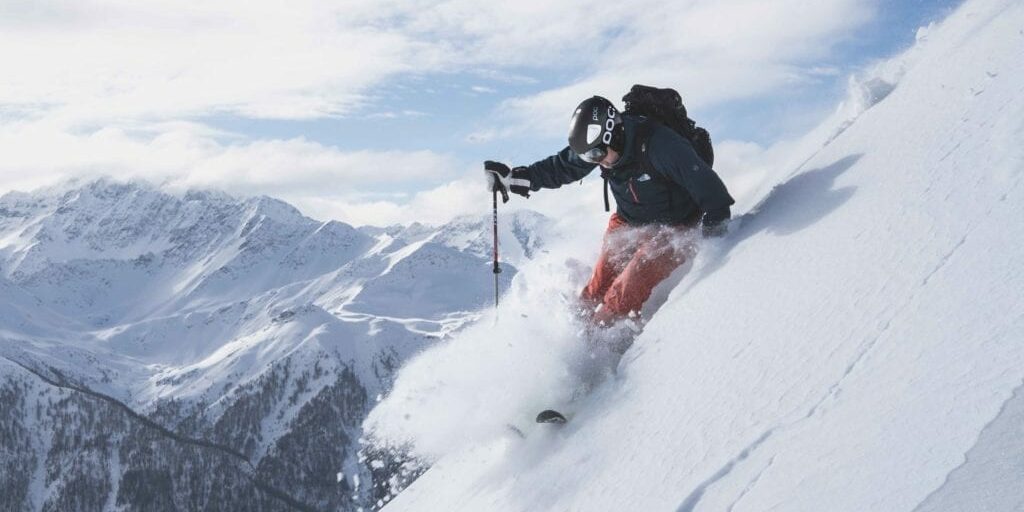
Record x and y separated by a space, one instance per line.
666 184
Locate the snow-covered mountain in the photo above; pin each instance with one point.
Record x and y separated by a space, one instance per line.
854 343
201 352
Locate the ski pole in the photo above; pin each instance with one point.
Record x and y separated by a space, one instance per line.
496 269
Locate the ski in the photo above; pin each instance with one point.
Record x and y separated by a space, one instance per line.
551 416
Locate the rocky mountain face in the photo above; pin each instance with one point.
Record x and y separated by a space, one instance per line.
202 352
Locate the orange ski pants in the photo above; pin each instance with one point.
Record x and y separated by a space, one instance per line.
633 260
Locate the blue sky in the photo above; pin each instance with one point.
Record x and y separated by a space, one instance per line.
379 111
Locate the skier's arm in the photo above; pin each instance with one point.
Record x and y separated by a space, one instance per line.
670 154
557 170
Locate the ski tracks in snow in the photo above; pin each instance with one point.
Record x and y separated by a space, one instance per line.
693 499
750 485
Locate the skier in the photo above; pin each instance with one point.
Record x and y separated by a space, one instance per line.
661 188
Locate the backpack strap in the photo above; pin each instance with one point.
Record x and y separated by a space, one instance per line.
604 176
643 136
607 207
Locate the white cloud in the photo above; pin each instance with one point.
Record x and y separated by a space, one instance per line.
437 205
116 59
712 52
466 195
396 115
182 155
110 60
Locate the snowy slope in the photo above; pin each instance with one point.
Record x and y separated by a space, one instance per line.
854 344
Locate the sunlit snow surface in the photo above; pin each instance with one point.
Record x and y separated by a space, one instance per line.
854 344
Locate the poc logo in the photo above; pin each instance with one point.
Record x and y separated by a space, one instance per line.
608 125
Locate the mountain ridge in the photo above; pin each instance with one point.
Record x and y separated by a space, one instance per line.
234 321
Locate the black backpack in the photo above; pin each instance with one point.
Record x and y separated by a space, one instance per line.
666 107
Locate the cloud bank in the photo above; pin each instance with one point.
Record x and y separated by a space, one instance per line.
125 88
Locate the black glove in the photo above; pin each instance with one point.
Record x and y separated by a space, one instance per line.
502 179
715 223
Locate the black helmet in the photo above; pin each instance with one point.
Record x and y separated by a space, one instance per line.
592 128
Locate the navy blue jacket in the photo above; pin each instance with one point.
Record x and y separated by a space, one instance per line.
672 185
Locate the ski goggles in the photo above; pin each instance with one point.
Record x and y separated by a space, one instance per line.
594 155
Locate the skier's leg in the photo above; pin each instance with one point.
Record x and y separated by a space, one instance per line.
601 353
614 256
654 261
591 366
